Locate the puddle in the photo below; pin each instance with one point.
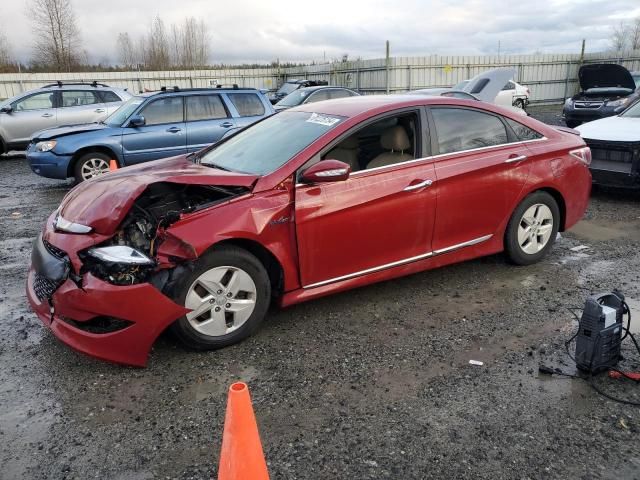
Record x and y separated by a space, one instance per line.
595 232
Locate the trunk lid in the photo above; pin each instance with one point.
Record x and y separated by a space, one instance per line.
103 202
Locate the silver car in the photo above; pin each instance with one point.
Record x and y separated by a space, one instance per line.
55 105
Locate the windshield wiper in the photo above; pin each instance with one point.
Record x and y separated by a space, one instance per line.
215 165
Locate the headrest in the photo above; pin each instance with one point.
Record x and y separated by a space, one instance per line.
349 142
395 139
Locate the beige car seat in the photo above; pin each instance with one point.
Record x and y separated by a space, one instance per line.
347 152
396 141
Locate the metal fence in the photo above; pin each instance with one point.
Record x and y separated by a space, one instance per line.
551 78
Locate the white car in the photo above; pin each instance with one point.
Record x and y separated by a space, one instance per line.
512 94
615 148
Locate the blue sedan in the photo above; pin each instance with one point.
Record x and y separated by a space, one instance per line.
148 127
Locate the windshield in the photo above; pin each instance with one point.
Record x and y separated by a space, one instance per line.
460 86
117 118
287 88
294 98
633 111
267 145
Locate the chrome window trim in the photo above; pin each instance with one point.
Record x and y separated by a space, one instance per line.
441 251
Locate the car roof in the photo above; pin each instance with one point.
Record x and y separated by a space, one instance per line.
321 87
198 91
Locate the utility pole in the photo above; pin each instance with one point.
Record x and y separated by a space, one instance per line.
582 53
387 67
498 50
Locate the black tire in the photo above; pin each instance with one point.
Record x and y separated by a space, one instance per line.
514 251
223 256
519 103
84 159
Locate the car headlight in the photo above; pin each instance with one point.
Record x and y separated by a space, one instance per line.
618 103
120 254
568 101
66 226
45 146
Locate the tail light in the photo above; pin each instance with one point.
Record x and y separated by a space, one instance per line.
583 154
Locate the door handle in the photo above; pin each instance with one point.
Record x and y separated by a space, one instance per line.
515 158
426 183
174 129
226 124
47 115
99 110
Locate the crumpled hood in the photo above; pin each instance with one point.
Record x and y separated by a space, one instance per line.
613 129
65 130
103 202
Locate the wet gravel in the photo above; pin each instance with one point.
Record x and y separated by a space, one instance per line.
373 383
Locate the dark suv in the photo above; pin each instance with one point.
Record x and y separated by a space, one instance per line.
605 90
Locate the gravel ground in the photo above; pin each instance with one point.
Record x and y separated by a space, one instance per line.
373 383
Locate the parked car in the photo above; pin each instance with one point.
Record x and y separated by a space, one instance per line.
53 105
606 89
148 127
313 94
486 86
511 93
615 148
317 199
291 85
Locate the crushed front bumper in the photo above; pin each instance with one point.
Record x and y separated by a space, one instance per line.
71 305
615 164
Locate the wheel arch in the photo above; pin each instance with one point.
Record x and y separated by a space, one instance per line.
93 148
267 258
562 206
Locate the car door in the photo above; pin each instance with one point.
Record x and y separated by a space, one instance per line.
480 167
80 106
376 219
111 102
207 121
248 108
29 115
163 134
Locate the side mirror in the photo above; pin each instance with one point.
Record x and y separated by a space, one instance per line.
6 109
136 121
326 171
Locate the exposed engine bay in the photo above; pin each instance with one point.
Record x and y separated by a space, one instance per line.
143 229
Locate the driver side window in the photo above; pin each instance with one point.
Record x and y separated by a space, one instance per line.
459 129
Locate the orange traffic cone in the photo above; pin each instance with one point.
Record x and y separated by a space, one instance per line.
241 456
113 165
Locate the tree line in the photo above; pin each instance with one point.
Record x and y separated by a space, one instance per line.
625 36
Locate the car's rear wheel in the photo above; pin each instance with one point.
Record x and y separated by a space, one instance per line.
532 228
91 165
519 103
228 293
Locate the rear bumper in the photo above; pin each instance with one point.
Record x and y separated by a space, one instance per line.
48 164
141 310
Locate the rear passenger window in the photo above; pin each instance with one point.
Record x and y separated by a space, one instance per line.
109 97
339 93
318 96
164 110
205 107
460 129
71 98
247 104
522 132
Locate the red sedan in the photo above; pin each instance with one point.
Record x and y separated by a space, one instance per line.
318 199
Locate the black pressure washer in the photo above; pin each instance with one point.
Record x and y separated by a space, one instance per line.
599 338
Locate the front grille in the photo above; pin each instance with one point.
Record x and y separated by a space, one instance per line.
44 287
53 250
592 105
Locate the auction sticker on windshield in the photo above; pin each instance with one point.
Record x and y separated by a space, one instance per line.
325 120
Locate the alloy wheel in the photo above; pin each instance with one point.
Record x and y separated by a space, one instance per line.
221 299
535 228
94 167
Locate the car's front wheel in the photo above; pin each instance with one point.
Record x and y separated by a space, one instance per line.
532 228
90 165
228 293
519 103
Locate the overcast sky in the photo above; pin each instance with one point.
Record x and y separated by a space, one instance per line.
299 30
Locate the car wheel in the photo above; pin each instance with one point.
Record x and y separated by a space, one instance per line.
519 103
228 292
91 165
532 229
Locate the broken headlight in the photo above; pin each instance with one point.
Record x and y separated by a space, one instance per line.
70 227
120 254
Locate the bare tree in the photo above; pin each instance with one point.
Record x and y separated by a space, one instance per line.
634 37
126 52
157 46
58 36
6 57
190 43
618 38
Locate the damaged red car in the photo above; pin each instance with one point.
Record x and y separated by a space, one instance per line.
315 200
